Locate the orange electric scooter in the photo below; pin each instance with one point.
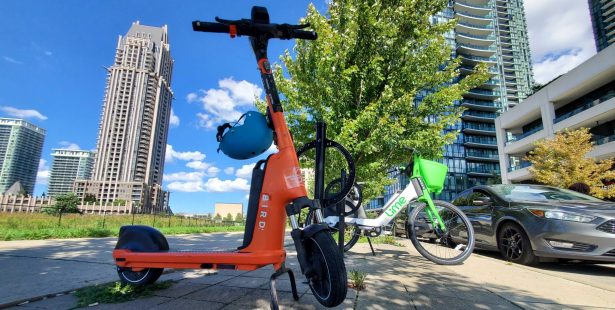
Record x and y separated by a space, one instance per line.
277 190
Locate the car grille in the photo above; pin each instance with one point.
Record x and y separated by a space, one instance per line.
609 253
607 227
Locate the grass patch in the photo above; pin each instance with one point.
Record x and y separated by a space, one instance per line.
36 226
357 279
113 293
387 239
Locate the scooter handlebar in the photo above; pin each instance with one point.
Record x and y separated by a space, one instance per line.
248 28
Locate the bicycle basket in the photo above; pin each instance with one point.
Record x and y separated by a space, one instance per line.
433 173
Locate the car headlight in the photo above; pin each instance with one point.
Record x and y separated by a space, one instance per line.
564 216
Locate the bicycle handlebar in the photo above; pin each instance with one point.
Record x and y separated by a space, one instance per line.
246 27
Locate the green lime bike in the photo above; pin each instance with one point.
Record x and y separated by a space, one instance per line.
439 231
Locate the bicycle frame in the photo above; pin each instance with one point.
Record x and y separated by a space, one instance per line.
414 191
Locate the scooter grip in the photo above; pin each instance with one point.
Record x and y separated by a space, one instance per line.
210 27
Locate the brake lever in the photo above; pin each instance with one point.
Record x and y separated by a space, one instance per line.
233 22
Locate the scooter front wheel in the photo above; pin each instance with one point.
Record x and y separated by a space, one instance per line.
328 280
138 278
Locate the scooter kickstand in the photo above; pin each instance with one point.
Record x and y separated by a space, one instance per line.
273 290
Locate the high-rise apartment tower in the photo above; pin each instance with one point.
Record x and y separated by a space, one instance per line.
134 122
602 13
21 144
68 166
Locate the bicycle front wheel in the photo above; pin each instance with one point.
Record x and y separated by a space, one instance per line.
449 246
352 232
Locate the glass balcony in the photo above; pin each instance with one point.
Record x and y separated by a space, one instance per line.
493 82
469 68
521 165
587 104
477 47
482 154
482 114
525 134
487 16
475 36
481 140
481 127
486 6
599 140
478 58
466 24
484 170
481 103
483 92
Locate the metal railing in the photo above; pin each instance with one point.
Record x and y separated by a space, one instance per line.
525 134
589 103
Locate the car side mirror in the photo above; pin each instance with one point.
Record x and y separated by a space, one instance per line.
486 201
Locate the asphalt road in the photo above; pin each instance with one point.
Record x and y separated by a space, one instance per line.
30 269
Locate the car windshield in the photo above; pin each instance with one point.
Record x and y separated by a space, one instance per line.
538 193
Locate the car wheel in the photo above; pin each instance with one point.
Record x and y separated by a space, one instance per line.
515 245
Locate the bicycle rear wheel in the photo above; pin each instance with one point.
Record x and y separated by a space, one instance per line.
451 246
352 233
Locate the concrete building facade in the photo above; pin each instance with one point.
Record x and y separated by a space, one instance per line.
602 14
134 122
68 166
583 97
21 145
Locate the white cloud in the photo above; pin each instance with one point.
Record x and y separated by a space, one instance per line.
69 145
247 196
209 168
48 53
171 155
229 170
560 34
222 186
12 60
191 97
174 119
226 103
214 185
245 171
15 112
42 176
184 176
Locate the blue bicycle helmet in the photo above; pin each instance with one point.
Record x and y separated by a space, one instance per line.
249 137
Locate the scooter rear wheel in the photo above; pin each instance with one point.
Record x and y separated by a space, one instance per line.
138 278
329 282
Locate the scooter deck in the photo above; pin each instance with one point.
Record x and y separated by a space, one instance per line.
232 259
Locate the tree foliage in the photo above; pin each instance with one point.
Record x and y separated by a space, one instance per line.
228 217
372 64
239 217
67 203
562 161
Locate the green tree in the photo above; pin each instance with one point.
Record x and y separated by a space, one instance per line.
228 217
239 217
218 217
365 74
562 161
67 203
90 198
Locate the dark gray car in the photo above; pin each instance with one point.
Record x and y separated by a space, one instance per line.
528 222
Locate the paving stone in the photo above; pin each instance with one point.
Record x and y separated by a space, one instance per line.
247 282
59 302
189 304
181 288
210 279
219 293
142 303
420 301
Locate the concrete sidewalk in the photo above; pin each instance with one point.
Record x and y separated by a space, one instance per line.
398 278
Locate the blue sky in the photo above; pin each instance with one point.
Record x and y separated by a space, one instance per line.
53 53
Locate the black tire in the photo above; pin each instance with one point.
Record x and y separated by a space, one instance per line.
443 242
352 233
333 199
139 278
515 245
329 284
